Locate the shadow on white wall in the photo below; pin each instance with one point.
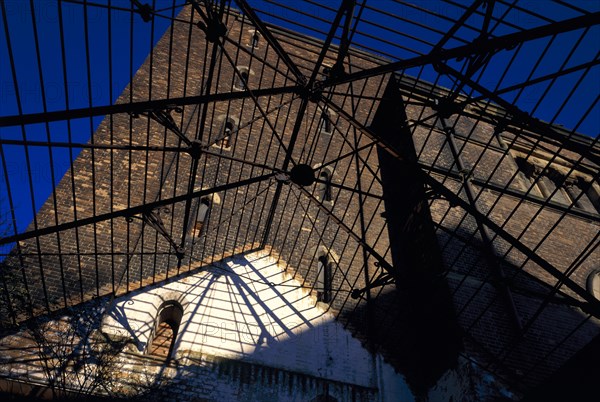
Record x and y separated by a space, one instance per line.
247 308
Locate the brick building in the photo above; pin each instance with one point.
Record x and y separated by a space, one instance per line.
262 216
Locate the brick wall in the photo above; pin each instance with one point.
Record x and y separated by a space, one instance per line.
116 255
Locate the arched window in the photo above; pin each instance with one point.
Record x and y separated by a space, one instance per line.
225 134
326 124
324 186
225 130
254 39
323 284
593 284
241 78
201 217
243 83
165 331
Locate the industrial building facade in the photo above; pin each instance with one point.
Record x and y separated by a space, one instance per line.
262 216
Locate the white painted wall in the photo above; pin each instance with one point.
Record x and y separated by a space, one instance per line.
232 310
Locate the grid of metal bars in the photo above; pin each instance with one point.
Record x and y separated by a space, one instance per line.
494 67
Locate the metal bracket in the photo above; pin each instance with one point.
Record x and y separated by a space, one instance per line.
337 70
195 149
152 217
466 174
163 116
283 177
144 10
446 107
315 93
214 30
431 194
479 59
212 26
384 278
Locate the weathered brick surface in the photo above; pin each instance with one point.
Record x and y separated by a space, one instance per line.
93 257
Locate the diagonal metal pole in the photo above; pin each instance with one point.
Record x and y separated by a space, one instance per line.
286 162
306 94
457 25
383 263
537 80
215 20
503 116
489 12
522 118
348 6
95 145
132 211
263 113
351 189
489 249
500 42
266 33
140 107
336 22
593 303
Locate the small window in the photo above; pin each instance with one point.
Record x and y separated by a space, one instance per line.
326 124
224 141
326 71
241 78
201 218
324 186
324 274
165 332
593 284
254 39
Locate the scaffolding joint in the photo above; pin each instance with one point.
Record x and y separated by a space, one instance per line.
312 93
163 116
195 149
384 278
432 194
144 10
466 174
214 30
283 177
445 107
152 218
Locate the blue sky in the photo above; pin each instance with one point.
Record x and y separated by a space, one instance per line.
93 81
84 87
